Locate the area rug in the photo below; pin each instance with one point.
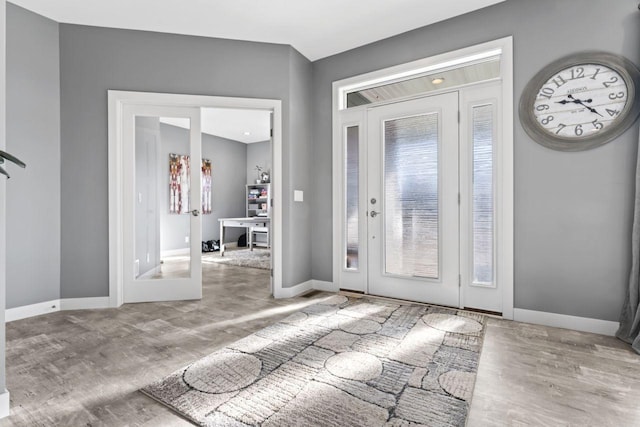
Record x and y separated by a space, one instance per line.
257 258
342 362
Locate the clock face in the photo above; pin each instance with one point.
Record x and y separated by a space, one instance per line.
580 101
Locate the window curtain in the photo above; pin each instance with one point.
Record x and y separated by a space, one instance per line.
630 317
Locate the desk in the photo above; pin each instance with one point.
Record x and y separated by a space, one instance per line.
250 223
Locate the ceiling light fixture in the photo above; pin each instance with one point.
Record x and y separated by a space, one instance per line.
438 80
247 133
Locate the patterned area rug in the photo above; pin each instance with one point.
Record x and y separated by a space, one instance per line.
342 362
258 258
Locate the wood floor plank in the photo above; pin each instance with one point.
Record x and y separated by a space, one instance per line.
85 367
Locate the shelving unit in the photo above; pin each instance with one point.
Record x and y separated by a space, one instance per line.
258 204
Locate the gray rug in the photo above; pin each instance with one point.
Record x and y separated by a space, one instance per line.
342 362
258 258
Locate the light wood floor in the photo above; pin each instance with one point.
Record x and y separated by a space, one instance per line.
83 368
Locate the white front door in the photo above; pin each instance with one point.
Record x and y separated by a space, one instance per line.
412 200
162 203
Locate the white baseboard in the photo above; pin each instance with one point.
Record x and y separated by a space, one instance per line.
175 252
52 306
31 310
303 287
321 285
84 303
4 404
294 291
584 324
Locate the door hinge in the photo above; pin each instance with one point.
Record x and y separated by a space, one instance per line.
459 280
458 116
271 272
458 198
271 202
271 133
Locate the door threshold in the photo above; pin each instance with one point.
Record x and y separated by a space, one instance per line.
356 294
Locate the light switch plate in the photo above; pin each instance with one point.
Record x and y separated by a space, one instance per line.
298 195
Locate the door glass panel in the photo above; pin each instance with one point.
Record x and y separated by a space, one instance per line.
352 171
411 207
483 139
162 205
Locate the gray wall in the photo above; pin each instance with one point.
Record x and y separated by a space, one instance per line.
228 163
33 134
258 153
573 211
94 60
297 158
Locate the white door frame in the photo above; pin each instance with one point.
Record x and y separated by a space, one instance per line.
505 207
116 101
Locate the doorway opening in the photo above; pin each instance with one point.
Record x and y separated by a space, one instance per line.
181 167
423 180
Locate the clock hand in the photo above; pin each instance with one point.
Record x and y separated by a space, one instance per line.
580 102
573 100
593 110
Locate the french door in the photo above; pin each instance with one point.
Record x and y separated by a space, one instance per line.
419 206
412 162
162 186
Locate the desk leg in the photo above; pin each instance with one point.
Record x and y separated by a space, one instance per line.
250 238
221 238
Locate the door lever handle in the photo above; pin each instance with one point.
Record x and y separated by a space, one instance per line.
374 214
195 212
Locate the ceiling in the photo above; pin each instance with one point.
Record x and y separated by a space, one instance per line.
246 126
316 28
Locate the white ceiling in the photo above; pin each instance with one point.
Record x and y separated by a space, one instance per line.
316 28
246 126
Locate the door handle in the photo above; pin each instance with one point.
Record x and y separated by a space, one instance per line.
195 212
374 214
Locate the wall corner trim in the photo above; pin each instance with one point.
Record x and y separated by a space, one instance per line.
584 324
4 404
52 306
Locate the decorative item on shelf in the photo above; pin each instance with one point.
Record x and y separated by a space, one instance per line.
264 177
581 101
259 169
4 155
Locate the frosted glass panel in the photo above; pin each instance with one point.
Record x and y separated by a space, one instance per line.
351 194
411 196
483 194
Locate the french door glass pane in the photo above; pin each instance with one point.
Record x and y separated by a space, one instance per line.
483 139
162 205
352 170
411 196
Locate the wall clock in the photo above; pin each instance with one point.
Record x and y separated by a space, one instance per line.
581 101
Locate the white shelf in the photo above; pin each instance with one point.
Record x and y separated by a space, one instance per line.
255 209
